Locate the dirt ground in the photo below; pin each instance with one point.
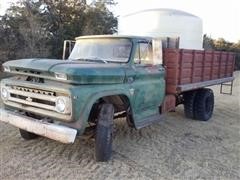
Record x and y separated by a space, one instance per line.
176 148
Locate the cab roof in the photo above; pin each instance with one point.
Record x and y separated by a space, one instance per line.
113 36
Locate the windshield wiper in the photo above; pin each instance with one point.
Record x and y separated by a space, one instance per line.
96 59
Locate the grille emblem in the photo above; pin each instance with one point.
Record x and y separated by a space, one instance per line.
29 99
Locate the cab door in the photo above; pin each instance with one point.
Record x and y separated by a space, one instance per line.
149 83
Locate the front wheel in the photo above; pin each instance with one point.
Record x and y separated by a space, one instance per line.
27 135
104 132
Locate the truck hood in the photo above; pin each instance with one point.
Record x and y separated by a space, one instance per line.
78 72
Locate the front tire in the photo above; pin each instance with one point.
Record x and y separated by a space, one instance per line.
104 133
27 135
204 104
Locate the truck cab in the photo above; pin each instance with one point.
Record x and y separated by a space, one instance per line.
104 78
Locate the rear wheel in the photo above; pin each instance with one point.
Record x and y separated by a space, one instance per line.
104 133
204 104
189 99
27 135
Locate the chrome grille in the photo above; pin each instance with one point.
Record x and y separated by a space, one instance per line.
36 91
38 98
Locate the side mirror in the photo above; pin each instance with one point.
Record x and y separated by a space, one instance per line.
67 48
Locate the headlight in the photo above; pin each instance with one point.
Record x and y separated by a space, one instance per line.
61 76
4 93
60 105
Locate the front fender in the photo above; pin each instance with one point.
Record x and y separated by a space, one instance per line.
84 98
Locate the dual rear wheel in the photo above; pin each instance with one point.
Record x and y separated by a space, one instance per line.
199 104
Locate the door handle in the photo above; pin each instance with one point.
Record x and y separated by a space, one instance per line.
130 80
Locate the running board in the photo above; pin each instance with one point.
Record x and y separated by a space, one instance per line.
149 120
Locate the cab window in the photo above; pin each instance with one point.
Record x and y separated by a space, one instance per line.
143 54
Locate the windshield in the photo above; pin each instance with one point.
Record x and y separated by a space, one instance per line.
99 49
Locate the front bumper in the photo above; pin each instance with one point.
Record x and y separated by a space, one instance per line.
52 131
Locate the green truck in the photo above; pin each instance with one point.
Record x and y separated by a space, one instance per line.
107 77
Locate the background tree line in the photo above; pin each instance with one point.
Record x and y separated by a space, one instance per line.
37 28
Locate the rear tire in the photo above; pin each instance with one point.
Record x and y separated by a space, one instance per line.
189 99
27 135
204 104
104 133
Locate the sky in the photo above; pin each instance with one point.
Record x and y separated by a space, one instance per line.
221 18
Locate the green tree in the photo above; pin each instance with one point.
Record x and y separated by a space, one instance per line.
99 21
68 19
208 42
222 45
37 28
